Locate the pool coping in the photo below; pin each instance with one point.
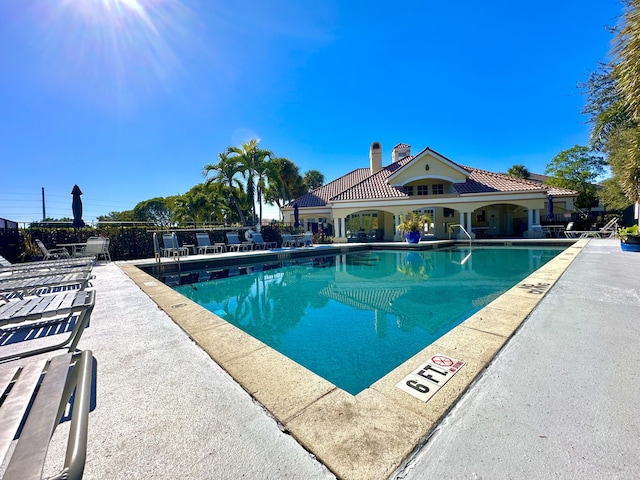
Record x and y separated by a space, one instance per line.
370 435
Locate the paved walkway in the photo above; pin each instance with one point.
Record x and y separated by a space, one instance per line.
560 401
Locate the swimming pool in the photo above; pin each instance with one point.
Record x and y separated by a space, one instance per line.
352 318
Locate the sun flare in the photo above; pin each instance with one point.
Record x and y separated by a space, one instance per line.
126 48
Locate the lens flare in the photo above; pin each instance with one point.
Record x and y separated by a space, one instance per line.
118 48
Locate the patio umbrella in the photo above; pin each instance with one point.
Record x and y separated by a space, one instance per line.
550 215
76 206
296 214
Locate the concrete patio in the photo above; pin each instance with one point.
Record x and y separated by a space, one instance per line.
558 401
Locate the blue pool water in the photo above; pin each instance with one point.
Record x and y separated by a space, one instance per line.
353 318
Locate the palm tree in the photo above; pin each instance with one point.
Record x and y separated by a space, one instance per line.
519 171
251 158
286 183
265 174
626 71
626 53
193 205
313 179
226 170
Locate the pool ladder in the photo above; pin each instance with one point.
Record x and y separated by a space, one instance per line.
470 241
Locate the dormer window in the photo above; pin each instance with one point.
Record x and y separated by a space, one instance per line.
423 189
408 190
437 189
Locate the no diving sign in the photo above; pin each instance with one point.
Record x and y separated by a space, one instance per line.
427 379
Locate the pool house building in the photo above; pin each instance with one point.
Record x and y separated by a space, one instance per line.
367 203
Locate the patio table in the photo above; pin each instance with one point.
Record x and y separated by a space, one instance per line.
74 246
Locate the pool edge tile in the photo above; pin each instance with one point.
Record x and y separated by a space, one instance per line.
364 437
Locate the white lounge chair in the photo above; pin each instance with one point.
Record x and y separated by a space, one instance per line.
235 245
608 231
48 282
204 244
33 398
171 245
259 243
38 318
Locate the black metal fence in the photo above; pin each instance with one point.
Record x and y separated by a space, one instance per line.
9 240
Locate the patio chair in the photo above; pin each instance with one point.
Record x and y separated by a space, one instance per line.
307 240
171 245
53 253
289 241
34 396
234 243
260 244
95 247
204 244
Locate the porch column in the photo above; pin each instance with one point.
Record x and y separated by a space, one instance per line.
468 224
461 219
343 226
529 219
536 216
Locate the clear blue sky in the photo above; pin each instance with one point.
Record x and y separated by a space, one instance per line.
129 99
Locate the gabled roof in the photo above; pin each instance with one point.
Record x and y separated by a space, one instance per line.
435 155
360 184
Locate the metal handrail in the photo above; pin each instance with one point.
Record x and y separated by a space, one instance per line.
464 230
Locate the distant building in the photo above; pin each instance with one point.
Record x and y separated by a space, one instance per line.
372 199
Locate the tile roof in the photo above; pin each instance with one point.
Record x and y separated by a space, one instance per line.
319 197
375 186
481 181
361 185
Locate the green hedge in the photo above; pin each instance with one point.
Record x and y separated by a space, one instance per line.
125 243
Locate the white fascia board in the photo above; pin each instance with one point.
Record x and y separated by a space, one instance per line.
425 177
321 211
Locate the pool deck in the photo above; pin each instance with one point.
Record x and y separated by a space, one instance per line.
559 400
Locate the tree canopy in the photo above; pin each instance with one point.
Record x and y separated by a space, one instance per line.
577 168
519 171
242 176
313 179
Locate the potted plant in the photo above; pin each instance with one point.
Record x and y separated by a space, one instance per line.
629 238
412 225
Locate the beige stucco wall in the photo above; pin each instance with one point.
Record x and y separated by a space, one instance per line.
436 169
